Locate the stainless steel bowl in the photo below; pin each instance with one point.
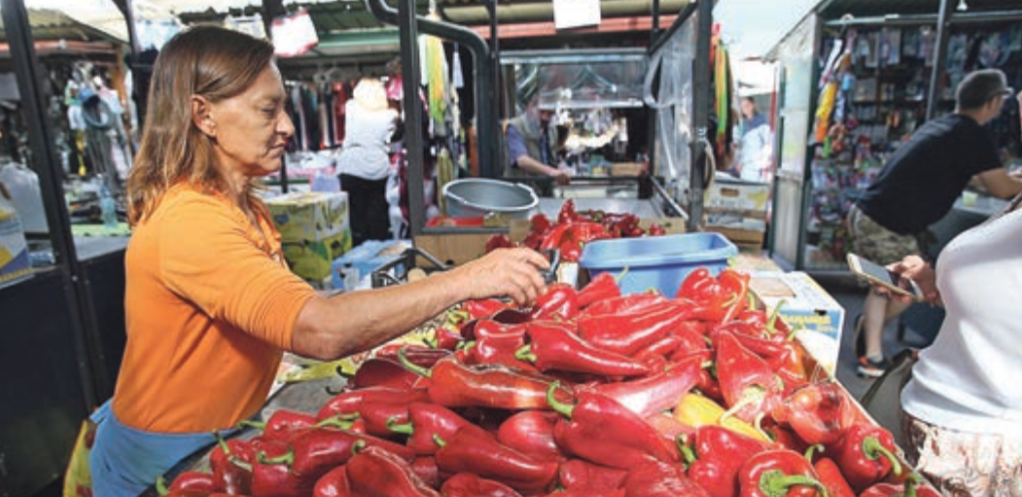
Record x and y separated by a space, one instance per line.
479 197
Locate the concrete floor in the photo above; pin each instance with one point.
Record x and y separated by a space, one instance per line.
851 296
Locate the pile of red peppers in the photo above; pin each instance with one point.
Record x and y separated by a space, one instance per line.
579 395
573 229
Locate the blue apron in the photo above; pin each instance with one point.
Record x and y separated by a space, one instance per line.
124 462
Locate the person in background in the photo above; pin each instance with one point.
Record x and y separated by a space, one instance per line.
755 148
961 410
531 144
916 187
371 125
210 303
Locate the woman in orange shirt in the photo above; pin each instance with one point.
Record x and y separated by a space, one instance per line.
210 304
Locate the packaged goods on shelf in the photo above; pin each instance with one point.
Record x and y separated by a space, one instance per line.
314 230
14 261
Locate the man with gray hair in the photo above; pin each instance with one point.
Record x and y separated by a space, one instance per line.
918 186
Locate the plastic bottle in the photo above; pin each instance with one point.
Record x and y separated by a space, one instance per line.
108 208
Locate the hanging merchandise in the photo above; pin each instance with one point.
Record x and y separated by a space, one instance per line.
722 95
251 25
152 35
457 76
293 34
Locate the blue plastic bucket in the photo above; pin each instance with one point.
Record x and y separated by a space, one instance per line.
660 262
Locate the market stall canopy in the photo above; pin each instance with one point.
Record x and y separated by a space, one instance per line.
834 9
58 34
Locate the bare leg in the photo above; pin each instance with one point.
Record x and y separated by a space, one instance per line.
878 311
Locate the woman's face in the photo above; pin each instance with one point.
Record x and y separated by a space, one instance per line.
251 129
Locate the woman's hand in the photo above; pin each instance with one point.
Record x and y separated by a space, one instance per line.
916 269
514 273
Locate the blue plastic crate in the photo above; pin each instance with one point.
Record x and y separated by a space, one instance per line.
660 262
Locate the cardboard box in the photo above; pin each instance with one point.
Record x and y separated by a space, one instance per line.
310 216
313 260
743 198
14 262
808 307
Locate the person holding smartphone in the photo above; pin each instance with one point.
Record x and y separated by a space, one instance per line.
962 410
916 187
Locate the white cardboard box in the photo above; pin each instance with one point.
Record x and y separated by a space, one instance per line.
807 307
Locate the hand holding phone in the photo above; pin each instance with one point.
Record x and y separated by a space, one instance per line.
880 276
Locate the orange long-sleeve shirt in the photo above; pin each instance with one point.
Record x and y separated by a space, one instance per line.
209 306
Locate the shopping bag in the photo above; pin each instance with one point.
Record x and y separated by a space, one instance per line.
78 478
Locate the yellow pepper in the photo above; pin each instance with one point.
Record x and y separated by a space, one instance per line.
696 410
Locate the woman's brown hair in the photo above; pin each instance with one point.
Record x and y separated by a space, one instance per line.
207 61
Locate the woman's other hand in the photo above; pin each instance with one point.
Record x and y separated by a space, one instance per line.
513 273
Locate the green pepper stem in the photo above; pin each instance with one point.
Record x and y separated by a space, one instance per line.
812 450
873 449
342 373
247 466
222 443
525 354
439 441
618 278
339 421
687 453
161 485
357 447
287 458
465 345
731 301
752 300
259 425
558 407
411 366
753 394
430 342
394 426
774 314
775 483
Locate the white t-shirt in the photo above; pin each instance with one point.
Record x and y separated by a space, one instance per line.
366 141
966 379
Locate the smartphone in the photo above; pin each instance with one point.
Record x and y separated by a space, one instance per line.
878 275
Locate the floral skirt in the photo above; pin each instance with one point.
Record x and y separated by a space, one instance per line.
962 464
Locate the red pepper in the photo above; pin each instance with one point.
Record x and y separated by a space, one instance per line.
333 484
718 456
750 387
282 424
588 492
471 485
379 416
494 386
426 420
273 480
498 241
539 223
785 438
656 230
657 392
784 357
427 470
444 338
832 479
229 477
603 286
601 430
559 302
491 348
865 455
351 401
554 346
417 354
567 213
623 304
779 473
313 453
911 488
577 474
531 433
738 283
571 250
818 412
695 283
375 472
484 308
552 238
668 427
483 328
627 333
387 373
192 481
473 449
661 479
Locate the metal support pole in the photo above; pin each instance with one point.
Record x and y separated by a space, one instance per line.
47 165
413 114
655 29
496 169
937 75
700 113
